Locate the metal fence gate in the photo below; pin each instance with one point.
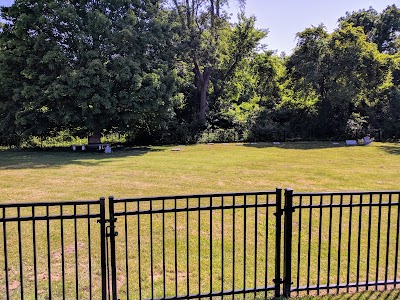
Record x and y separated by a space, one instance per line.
195 246
262 244
53 250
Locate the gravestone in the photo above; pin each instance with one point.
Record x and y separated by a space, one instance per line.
351 142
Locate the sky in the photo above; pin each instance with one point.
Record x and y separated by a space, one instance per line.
284 18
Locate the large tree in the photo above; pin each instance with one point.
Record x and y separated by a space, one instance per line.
84 64
202 30
340 71
383 28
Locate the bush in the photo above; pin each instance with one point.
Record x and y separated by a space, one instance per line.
219 136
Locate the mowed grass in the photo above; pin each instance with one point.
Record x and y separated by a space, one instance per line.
30 176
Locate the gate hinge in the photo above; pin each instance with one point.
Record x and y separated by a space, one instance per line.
283 281
279 281
108 233
107 221
289 209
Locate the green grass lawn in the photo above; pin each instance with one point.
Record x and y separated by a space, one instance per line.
60 175
54 175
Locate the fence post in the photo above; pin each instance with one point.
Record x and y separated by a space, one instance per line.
278 214
112 236
287 246
103 241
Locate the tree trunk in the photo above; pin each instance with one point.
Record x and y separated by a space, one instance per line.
202 81
95 136
203 104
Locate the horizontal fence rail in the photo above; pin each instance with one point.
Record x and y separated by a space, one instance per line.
51 250
196 246
259 244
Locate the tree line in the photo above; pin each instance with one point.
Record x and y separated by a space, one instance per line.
168 71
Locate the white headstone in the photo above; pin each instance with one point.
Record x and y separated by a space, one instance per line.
367 140
107 149
351 142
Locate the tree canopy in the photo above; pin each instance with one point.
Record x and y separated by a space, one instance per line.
86 65
181 71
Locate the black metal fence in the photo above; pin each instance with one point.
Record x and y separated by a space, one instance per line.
343 242
52 250
260 244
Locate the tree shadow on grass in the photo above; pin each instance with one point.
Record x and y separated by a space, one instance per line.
388 148
393 149
298 145
56 157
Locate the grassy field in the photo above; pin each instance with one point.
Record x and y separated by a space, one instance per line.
61 175
53 175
